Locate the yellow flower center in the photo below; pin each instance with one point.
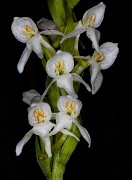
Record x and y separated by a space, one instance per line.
90 20
59 67
28 31
70 108
39 115
98 56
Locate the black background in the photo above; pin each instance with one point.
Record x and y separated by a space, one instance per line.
105 114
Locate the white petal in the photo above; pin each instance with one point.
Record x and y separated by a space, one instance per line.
98 35
62 121
47 143
46 90
66 82
17 28
76 77
83 132
30 96
98 11
52 32
92 36
97 83
110 51
46 109
66 57
42 129
45 24
35 44
23 60
64 131
79 29
23 141
63 100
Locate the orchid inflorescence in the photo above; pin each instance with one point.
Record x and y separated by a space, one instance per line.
64 68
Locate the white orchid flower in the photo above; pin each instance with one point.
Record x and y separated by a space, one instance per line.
59 68
92 19
25 30
31 96
69 109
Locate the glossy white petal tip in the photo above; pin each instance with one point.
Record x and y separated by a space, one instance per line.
21 143
45 24
110 51
98 11
18 25
97 83
65 58
23 60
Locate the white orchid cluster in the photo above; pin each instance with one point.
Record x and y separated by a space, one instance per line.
59 67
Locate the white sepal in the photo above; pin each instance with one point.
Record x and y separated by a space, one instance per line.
23 60
110 51
31 96
45 24
23 141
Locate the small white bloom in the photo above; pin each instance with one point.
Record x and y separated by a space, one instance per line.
31 96
25 30
103 60
39 117
59 68
69 108
92 19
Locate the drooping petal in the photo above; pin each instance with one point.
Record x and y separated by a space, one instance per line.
23 141
44 107
23 60
18 25
92 36
52 32
98 11
77 78
35 45
110 51
77 31
97 83
66 82
64 131
31 96
83 132
45 24
62 121
62 102
47 143
98 35
63 56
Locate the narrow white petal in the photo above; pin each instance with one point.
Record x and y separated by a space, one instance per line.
29 96
62 121
81 57
52 32
23 141
98 35
23 60
98 11
79 29
47 143
46 90
76 77
45 24
83 132
110 51
97 83
64 131
66 82
17 28
92 36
